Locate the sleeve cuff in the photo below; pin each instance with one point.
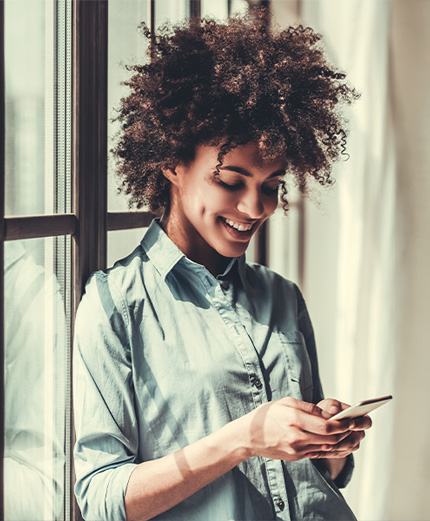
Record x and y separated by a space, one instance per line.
103 498
117 488
345 476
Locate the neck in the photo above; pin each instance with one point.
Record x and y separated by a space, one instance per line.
193 246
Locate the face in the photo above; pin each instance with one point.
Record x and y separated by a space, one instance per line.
213 216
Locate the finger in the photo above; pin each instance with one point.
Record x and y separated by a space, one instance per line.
349 444
330 407
328 455
308 417
326 449
300 405
360 423
333 453
355 424
310 441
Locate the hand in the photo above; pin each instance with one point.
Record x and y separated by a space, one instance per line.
356 427
291 430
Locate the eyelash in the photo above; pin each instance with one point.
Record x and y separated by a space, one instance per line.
237 186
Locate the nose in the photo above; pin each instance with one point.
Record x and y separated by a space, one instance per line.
251 204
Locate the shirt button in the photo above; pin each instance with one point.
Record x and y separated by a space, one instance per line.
281 504
225 285
256 382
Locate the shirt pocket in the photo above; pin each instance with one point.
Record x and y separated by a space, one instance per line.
298 364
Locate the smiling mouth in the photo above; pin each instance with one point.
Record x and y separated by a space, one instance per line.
239 226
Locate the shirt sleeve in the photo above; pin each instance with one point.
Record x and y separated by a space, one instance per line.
345 476
105 420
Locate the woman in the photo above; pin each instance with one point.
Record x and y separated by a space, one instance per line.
197 394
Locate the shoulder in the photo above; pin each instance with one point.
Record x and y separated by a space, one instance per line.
114 290
262 277
121 277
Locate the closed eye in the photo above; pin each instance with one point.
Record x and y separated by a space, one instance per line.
269 189
272 188
235 186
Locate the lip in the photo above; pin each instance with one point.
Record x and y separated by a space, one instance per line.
236 234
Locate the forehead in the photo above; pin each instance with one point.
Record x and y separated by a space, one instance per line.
246 156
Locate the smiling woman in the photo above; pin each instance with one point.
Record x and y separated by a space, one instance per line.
197 391
215 210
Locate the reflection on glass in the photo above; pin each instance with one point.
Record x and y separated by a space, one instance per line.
35 379
121 243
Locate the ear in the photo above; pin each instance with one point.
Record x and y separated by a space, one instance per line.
170 174
173 173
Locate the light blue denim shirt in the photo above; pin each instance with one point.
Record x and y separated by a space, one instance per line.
165 354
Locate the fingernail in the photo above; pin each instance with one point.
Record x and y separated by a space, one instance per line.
351 424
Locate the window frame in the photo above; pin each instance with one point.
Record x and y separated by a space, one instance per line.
2 237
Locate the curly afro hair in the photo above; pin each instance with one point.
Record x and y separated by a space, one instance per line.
226 85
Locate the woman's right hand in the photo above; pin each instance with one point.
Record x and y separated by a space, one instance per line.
291 429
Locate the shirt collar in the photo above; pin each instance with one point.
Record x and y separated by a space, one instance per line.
160 249
165 255
236 267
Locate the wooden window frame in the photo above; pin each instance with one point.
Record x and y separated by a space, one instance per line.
2 204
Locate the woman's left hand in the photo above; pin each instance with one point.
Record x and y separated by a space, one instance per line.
335 456
357 427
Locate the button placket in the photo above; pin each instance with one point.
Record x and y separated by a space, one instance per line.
225 285
256 382
280 504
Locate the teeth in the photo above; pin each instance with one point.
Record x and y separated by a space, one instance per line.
237 226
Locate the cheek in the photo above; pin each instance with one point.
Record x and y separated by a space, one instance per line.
217 202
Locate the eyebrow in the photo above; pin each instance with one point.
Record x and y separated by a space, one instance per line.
243 171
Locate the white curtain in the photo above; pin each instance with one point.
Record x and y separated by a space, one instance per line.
357 34
367 248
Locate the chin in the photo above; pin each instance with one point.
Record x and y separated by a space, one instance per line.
232 251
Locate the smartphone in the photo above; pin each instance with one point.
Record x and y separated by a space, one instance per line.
361 408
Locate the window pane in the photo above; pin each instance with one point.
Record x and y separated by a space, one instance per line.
123 242
171 11
126 47
219 10
212 9
37 92
238 7
37 305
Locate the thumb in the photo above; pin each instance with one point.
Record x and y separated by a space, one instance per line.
330 407
307 407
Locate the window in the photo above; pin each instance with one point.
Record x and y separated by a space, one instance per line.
37 258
